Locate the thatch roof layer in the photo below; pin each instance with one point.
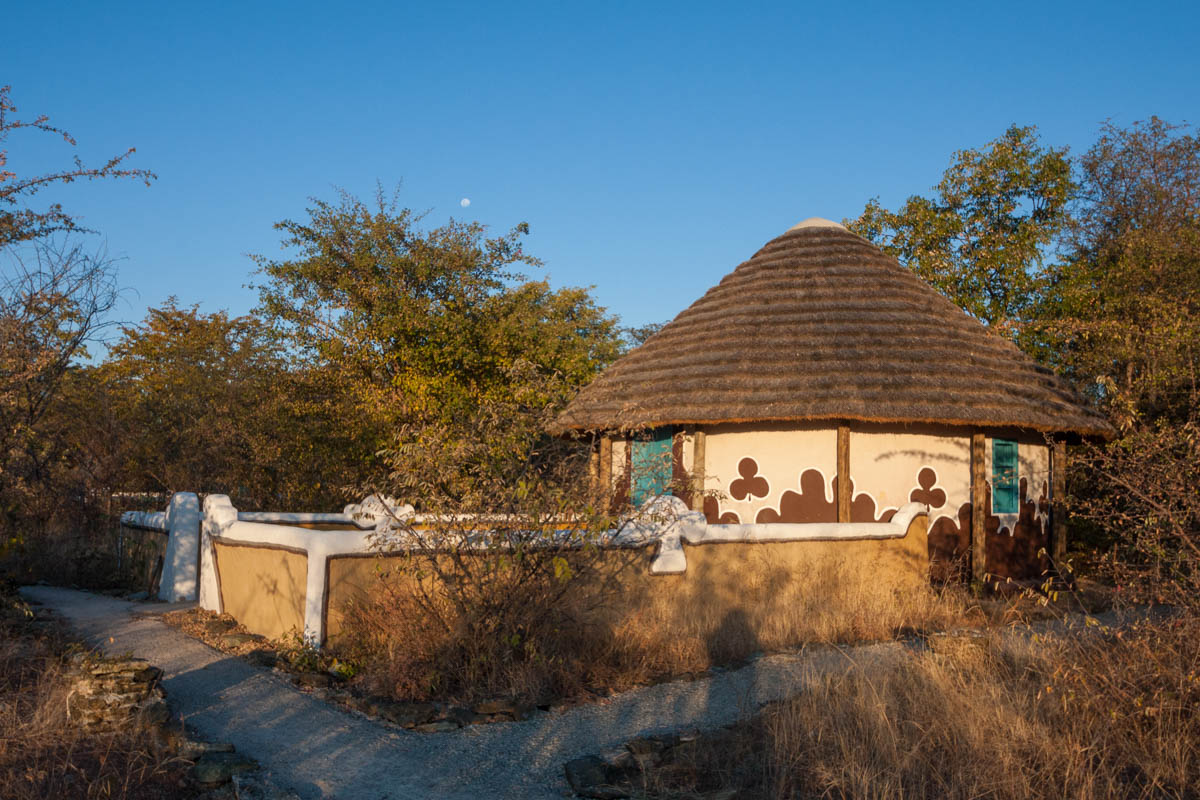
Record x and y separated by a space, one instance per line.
822 325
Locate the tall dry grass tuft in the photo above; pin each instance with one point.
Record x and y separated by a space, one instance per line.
1107 715
44 754
831 600
511 645
616 628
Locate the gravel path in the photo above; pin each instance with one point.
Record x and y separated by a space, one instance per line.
318 750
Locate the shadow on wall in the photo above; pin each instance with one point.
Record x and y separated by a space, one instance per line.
1017 553
814 498
625 626
263 587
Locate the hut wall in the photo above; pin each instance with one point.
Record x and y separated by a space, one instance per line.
889 469
770 473
788 473
263 587
1014 541
775 592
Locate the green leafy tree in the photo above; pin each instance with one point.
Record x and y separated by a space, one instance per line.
637 335
1121 318
426 329
1121 315
54 300
212 404
981 239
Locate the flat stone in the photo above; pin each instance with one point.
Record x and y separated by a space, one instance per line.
138 597
219 626
441 726
192 749
262 658
491 707
406 714
214 769
314 680
463 716
589 777
620 759
133 667
650 744
238 639
155 711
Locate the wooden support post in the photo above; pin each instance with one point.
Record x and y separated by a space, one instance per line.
594 477
1058 504
698 471
978 506
606 471
843 473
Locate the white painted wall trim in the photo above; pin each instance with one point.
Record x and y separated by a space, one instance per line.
671 558
665 520
181 562
181 523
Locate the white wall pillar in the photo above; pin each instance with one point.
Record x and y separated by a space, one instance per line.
181 562
219 514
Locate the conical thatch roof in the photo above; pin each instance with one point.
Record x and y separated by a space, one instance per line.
822 325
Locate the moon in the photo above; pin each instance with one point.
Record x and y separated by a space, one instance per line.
466 201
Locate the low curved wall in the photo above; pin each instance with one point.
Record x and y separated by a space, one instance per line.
274 577
262 586
758 586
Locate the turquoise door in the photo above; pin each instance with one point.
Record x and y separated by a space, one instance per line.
650 464
1006 497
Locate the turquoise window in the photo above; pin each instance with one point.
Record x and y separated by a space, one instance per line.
650 464
1005 478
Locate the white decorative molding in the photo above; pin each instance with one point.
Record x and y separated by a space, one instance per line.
181 523
671 558
219 516
665 519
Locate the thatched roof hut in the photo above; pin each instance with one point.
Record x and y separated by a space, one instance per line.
820 324
820 382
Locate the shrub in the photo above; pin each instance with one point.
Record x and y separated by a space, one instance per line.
1110 714
44 754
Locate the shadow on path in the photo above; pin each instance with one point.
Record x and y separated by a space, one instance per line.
318 750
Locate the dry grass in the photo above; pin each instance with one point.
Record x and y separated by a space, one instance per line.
43 754
594 645
1109 715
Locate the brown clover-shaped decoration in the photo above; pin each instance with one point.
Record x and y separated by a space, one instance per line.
934 498
751 483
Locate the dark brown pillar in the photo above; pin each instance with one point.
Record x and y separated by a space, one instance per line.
597 481
606 465
978 509
843 473
1058 504
698 471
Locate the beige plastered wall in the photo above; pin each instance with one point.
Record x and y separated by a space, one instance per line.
263 587
781 452
887 465
772 590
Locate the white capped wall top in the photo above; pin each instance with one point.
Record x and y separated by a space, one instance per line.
817 222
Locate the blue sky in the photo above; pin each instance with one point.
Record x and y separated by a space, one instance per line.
651 146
